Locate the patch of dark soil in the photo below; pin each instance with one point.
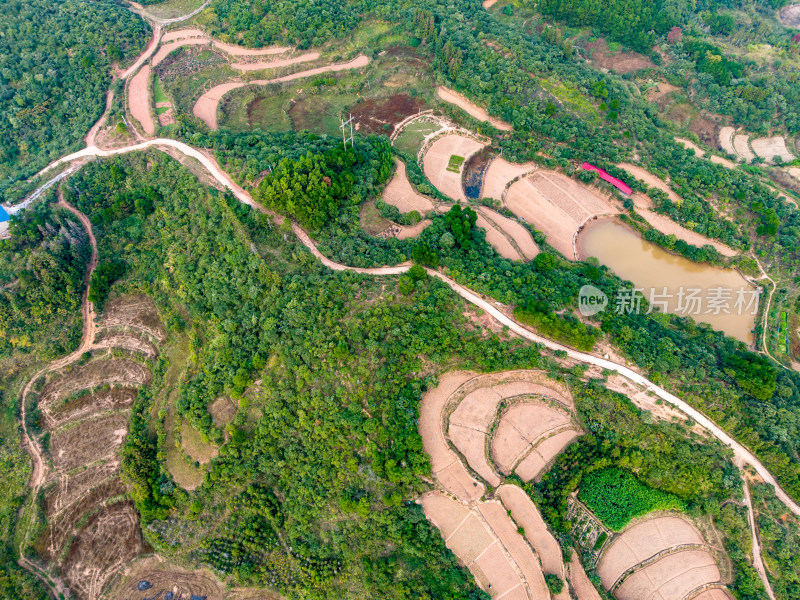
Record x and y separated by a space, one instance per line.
621 62
706 130
474 171
380 115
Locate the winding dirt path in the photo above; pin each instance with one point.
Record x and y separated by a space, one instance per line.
492 308
758 561
55 585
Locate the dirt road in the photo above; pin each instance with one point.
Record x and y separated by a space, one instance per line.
87 342
758 562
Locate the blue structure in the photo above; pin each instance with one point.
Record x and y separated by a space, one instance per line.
3 215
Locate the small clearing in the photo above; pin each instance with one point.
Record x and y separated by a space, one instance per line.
139 100
620 62
471 108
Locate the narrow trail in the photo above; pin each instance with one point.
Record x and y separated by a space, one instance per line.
39 472
758 561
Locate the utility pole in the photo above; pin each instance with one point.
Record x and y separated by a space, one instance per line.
343 127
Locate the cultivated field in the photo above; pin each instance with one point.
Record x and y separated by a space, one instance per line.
670 227
480 547
662 557
726 140
438 157
206 106
769 148
500 174
651 180
509 237
742 147
471 108
557 205
139 100
400 193
92 529
506 535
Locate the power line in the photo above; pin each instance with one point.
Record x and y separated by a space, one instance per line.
345 137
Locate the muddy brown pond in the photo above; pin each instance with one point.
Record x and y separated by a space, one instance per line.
720 297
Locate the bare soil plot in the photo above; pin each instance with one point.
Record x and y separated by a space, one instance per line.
651 180
506 530
500 174
642 541
382 115
660 90
472 445
412 231
179 34
726 140
672 577
668 226
742 148
67 490
543 454
794 172
517 242
138 312
471 108
139 99
88 441
557 206
108 541
206 106
96 373
522 427
579 581
62 527
400 193
165 578
82 404
445 464
275 64
497 239
489 3
236 50
526 515
621 62
127 341
770 147
790 15
437 160
223 411
473 543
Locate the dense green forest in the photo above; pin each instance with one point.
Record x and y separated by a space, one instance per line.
55 68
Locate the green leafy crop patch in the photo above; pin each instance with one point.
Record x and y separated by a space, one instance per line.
615 497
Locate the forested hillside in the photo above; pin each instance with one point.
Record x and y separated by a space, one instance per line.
55 67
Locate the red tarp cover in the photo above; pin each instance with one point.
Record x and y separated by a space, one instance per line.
618 183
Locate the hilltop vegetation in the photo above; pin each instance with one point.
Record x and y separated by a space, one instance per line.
55 68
